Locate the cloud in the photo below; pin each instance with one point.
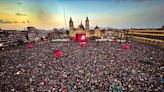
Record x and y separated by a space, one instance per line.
28 21
19 3
15 22
11 22
20 14
119 1
43 14
136 1
142 0
23 22
6 22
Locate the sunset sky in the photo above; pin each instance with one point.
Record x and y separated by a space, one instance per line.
49 14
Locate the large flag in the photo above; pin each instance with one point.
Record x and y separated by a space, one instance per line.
58 54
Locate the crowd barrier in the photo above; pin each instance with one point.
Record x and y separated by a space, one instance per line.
58 40
110 40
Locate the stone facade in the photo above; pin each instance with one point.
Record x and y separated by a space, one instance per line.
83 30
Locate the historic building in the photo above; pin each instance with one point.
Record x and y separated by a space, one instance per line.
83 30
149 36
35 34
115 33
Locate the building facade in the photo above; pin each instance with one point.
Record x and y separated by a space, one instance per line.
148 36
115 34
73 32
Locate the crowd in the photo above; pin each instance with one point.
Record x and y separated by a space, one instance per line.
98 67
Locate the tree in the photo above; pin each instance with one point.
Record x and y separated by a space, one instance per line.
67 32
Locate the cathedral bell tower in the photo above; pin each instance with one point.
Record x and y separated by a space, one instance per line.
87 28
71 24
71 32
87 24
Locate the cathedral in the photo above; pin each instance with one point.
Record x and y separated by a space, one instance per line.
84 30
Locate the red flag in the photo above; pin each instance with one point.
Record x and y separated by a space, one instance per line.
126 47
30 45
58 54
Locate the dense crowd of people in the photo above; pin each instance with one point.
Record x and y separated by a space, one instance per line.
98 67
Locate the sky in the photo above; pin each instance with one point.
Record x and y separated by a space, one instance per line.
49 14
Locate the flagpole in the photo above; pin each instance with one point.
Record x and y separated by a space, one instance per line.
64 18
